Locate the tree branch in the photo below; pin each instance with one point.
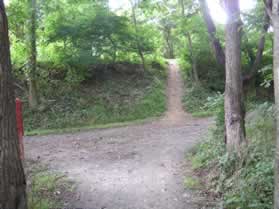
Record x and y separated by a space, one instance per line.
261 45
268 8
218 49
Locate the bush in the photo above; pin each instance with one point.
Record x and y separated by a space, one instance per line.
202 102
121 97
245 182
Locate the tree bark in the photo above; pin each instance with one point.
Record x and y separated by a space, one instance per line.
217 47
33 91
234 105
275 20
12 179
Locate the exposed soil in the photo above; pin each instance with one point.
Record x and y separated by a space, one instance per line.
132 167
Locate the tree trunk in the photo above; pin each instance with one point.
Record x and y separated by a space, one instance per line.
234 107
33 94
169 43
256 60
275 20
260 50
217 47
12 179
250 79
193 59
182 8
140 52
33 91
195 74
114 56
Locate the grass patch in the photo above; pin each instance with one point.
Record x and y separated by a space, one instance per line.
204 114
120 98
47 189
39 132
192 183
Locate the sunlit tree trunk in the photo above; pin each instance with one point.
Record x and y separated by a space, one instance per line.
234 107
12 179
33 90
275 19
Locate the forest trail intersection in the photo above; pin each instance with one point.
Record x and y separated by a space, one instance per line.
132 167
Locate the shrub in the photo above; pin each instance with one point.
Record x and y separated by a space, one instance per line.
245 182
202 102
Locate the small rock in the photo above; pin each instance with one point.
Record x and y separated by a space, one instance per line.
57 193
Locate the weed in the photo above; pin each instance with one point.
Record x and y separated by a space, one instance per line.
192 183
47 189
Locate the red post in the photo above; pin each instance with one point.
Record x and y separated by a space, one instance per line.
20 128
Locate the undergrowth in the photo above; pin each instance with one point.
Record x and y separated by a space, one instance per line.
47 189
245 182
200 101
120 97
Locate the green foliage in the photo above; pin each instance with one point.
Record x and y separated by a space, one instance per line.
45 188
267 74
245 182
78 42
73 36
210 74
202 102
121 98
195 98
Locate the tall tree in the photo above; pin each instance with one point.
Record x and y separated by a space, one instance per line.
272 8
276 85
193 59
167 31
261 45
255 60
134 5
211 28
12 179
33 91
234 107
217 46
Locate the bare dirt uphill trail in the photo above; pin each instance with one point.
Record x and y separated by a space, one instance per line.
132 167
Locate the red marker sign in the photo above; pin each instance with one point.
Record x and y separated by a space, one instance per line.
20 128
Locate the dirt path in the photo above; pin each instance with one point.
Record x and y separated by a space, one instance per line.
133 167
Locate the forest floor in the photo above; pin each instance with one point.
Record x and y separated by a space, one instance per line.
132 167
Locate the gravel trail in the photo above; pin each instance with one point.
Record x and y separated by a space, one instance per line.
132 167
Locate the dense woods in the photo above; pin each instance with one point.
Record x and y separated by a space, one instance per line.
80 64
